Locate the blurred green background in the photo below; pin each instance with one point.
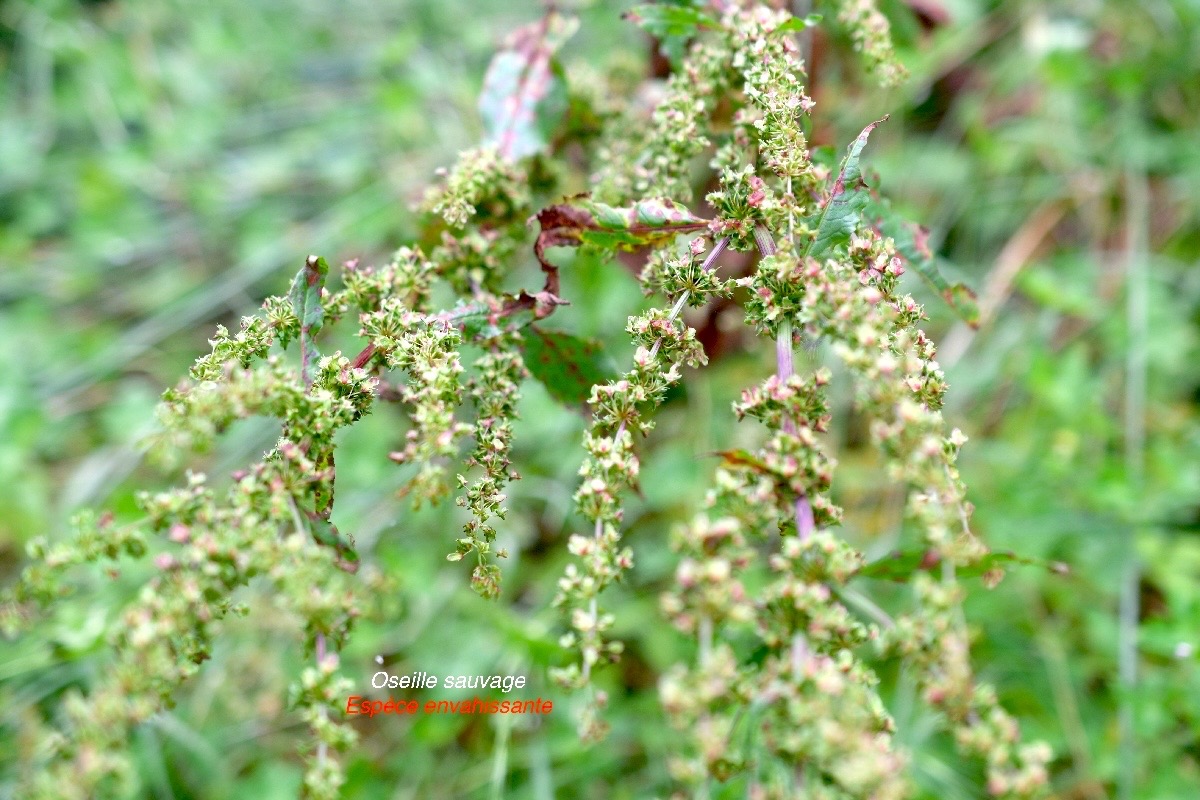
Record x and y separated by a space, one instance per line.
164 165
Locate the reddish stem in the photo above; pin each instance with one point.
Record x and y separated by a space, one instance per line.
362 358
785 368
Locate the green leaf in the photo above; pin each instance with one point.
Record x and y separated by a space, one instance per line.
524 97
579 221
674 25
849 202
912 243
305 297
664 21
479 322
798 24
900 567
511 312
326 533
305 294
566 365
841 214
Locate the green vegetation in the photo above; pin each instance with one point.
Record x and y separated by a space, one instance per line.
778 606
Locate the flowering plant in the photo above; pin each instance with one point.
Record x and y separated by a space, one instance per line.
782 696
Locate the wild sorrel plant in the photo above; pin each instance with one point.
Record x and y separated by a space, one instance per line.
782 698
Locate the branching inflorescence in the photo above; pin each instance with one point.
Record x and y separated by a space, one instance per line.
804 711
783 695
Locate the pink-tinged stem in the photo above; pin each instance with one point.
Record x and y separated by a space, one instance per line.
784 369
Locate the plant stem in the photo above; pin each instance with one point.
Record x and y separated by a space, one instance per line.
363 357
1136 314
302 528
866 605
500 758
706 639
321 746
802 511
785 368
305 378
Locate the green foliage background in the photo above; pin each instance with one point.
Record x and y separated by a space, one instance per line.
164 165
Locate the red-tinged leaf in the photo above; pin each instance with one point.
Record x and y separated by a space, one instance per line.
960 297
523 95
507 313
841 213
912 243
305 297
900 567
326 533
305 294
579 221
567 365
744 459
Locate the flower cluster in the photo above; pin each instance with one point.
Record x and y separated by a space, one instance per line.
495 391
853 302
207 548
620 408
771 70
743 204
482 183
808 701
407 280
273 523
794 409
251 343
319 692
855 305
655 159
426 348
677 273
476 260
936 642
872 36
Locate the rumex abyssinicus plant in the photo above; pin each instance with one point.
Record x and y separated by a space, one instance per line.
782 696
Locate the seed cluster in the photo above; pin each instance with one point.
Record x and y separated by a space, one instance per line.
620 409
208 547
496 393
871 33
782 694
